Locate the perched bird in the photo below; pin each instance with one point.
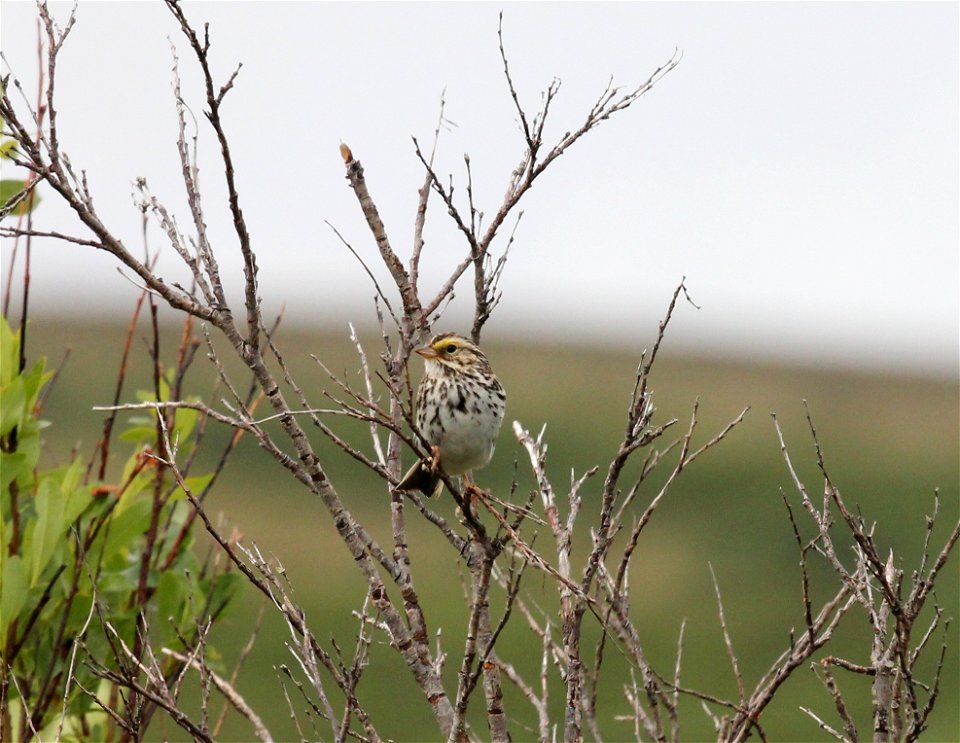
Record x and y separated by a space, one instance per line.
460 405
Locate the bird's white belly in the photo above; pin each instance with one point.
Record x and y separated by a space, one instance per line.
467 442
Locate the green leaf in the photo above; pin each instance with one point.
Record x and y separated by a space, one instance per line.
113 583
134 483
8 149
184 420
13 467
13 591
9 352
80 608
125 527
71 477
48 534
13 399
18 392
10 188
78 496
136 434
28 444
132 491
33 381
171 598
150 396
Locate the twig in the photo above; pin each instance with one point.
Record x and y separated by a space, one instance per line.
734 662
229 693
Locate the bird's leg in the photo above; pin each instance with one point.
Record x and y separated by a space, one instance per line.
434 460
470 493
470 489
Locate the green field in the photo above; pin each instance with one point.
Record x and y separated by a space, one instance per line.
889 443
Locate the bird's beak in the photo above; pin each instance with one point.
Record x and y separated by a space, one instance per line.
428 352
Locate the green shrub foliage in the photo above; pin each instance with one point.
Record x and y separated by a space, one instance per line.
90 571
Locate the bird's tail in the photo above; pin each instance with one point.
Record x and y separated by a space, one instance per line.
422 477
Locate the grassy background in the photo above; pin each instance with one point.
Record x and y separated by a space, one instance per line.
889 442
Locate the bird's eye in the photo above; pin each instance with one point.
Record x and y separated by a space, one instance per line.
451 348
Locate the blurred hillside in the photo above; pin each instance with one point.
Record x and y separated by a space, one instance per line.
889 443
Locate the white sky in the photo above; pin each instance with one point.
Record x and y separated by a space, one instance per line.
800 166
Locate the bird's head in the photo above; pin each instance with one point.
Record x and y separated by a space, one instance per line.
452 352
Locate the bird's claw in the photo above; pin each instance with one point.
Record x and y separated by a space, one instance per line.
472 492
434 460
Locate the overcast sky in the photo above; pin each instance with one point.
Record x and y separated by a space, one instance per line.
799 167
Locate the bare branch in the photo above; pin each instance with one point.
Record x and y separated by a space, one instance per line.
228 691
214 100
731 654
411 302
